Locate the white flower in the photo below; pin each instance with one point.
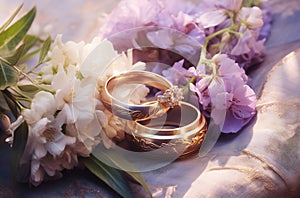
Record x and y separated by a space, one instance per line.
112 126
46 136
130 93
123 63
45 131
96 62
49 166
43 105
65 53
47 74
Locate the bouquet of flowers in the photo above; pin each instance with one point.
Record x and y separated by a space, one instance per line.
52 111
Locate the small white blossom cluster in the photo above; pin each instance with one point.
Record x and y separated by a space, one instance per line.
69 119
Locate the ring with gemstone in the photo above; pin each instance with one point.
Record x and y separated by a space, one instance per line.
148 110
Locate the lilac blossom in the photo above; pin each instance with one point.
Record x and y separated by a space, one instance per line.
130 14
229 100
228 68
177 74
267 14
241 101
176 24
245 46
201 89
175 41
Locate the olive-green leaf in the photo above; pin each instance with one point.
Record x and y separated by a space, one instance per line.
123 164
28 90
44 50
18 147
17 55
138 178
8 76
111 176
30 41
11 103
13 35
3 106
11 18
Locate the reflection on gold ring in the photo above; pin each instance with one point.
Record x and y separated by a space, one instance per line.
182 131
152 109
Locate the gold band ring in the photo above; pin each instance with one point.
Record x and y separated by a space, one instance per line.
156 108
182 131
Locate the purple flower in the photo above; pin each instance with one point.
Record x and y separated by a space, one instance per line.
267 14
212 18
229 100
177 74
228 68
130 14
176 41
251 17
202 90
246 48
216 12
241 101
179 16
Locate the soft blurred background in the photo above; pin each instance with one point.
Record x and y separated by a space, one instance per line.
80 20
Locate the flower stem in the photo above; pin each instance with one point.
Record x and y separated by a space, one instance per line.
24 99
34 68
22 108
31 80
18 92
206 41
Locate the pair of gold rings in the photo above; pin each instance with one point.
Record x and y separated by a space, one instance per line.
148 110
164 122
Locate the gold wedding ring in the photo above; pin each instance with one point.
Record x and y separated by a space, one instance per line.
170 98
180 132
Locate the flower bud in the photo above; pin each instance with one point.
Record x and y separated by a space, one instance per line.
4 122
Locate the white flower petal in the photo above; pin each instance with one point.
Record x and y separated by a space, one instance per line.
98 59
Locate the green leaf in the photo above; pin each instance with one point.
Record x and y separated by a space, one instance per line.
6 24
18 54
124 164
11 103
111 176
28 90
15 57
30 41
138 178
44 50
18 147
28 55
211 138
8 76
12 36
3 105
